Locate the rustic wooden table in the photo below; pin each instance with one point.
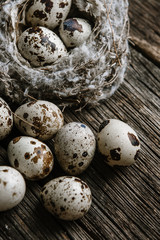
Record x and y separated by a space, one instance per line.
126 201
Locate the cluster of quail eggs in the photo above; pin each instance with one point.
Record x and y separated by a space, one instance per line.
49 32
66 197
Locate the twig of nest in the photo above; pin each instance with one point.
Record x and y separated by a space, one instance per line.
91 72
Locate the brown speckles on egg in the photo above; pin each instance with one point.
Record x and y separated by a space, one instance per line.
47 162
44 118
40 14
15 140
9 122
71 167
34 30
27 155
75 155
74 143
25 115
38 151
46 192
59 15
26 39
115 154
72 25
36 46
44 106
63 4
42 47
31 103
34 159
119 143
76 202
40 59
78 180
16 163
74 31
62 209
6 119
84 154
45 41
12 189
136 155
48 5
133 139
4 183
54 114
80 164
43 146
44 12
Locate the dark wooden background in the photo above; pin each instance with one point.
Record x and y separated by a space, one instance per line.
126 201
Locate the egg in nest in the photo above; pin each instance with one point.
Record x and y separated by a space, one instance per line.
47 13
40 46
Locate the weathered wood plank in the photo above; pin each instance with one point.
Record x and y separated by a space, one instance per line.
125 200
145 27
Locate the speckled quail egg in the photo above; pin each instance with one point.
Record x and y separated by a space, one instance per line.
40 46
67 198
118 142
74 31
42 119
48 13
12 188
74 147
31 157
6 119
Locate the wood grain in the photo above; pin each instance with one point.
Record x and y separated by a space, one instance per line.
145 28
125 199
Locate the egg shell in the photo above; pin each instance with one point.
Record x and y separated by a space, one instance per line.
67 198
6 119
48 13
12 188
40 46
74 147
74 31
42 119
118 142
31 157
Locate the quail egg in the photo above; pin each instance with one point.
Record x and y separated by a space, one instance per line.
48 13
74 31
40 46
74 146
31 157
67 198
42 119
118 142
12 188
6 119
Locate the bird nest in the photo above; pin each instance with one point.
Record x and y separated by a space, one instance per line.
90 73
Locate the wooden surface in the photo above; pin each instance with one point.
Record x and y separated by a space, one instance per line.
126 201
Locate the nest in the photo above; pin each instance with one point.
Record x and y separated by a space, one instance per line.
92 71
